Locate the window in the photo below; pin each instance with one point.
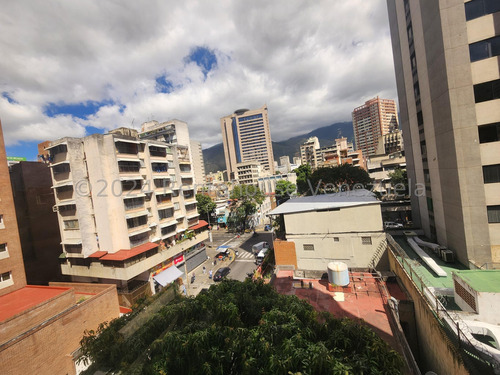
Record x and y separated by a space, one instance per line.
61 168
336 239
308 247
487 91
491 173
2 225
5 276
489 133
128 166
420 118
366 240
484 49
165 214
71 224
3 247
493 214
478 8
176 206
137 221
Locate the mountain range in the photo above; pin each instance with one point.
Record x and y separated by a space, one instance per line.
215 161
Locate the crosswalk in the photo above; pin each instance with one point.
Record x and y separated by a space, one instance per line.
245 256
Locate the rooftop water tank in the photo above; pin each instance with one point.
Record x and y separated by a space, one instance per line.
338 273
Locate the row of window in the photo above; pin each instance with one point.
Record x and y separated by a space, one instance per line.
484 49
364 241
487 91
478 8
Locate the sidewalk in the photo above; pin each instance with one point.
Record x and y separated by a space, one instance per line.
202 280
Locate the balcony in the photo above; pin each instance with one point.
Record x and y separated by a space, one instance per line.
159 168
129 167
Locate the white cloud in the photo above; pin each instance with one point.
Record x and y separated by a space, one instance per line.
310 62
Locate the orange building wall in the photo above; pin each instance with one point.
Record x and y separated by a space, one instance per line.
284 252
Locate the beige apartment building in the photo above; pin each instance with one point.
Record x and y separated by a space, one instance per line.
249 172
371 120
446 57
126 206
246 137
198 163
309 153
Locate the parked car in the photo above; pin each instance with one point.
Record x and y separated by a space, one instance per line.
260 257
221 273
392 225
259 246
222 255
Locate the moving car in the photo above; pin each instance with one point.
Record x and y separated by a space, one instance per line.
221 273
259 246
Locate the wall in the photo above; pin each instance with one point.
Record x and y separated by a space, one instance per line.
48 348
437 353
284 253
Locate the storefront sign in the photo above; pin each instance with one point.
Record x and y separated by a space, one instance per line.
179 259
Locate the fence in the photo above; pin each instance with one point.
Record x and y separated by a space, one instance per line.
476 359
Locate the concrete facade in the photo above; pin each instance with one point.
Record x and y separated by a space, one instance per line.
198 163
125 202
247 173
246 137
12 276
447 114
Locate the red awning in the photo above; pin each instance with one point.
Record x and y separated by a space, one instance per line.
201 224
126 254
97 254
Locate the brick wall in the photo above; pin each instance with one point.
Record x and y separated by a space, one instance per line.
48 349
284 252
9 234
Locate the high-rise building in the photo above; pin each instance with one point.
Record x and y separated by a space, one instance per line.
12 276
126 204
309 152
246 137
198 163
371 120
448 79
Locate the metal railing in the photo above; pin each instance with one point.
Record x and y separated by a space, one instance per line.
477 360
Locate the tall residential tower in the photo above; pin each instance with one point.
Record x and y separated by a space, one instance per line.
446 57
246 137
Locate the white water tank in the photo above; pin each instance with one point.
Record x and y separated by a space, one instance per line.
338 273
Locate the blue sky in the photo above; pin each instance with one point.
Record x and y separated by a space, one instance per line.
79 68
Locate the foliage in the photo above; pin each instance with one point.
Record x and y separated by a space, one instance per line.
284 189
242 328
245 200
399 181
303 173
205 205
340 178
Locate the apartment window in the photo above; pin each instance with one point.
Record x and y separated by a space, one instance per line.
2 224
493 214
366 240
133 203
126 148
478 8
61 168
159 167
58 150
420 118
5 276
128 166
137 221
128 186
487 91
491 173
165 214
308 247
71 224
3 247
489 133
484 49
336 239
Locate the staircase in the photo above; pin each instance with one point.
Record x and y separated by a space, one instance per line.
382 247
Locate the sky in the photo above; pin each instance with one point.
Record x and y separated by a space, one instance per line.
74 68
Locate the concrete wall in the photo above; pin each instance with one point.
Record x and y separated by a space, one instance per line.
437 353
48 348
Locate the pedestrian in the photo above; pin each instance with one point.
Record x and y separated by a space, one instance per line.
204 270
215 261
210 274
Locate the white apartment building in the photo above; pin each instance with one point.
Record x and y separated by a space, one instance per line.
198 163
249 172
126 208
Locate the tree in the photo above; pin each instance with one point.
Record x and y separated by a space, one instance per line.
340 178
245 199
303 173
241 328
284 189
205 205
399 181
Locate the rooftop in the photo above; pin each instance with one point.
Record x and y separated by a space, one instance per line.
481 280
351 198
25 298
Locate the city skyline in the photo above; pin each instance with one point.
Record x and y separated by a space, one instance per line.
75 72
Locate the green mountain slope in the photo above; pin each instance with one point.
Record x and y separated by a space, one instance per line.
214 156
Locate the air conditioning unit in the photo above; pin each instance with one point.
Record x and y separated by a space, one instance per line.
55 208
447 255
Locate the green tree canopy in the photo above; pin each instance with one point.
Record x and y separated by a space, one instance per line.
242 328
334 179
399 181
284 189
303 173
245 200
205 205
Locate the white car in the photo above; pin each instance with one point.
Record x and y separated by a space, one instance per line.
392 225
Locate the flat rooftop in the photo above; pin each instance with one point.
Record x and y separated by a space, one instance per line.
362 299
481 280
25 298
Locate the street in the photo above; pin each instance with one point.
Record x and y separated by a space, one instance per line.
243 263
